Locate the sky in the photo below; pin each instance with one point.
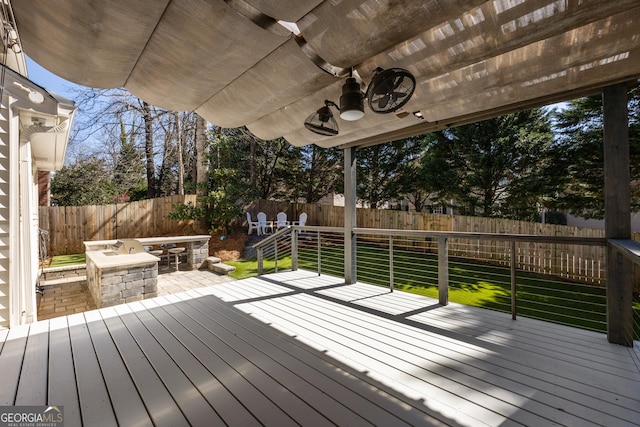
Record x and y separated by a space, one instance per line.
48 80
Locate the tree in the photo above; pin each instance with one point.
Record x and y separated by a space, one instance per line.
580 137
148 150
220 202
497 167
128 172
86 182
167 138
379 166
315 173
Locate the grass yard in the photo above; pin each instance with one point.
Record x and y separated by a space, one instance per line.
67 260
470 283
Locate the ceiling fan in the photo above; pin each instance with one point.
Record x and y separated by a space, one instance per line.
388 91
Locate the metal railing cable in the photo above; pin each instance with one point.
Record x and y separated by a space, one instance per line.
413 260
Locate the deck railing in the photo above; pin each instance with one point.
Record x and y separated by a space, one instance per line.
453 266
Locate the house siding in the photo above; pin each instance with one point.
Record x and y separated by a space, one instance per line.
4 215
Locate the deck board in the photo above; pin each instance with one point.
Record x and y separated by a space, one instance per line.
218 396
62 376
329 395
11 363
295 408
450 359
32 389
251 397
154 397
309 396
95 404
127 403
192 404
295 348
408 370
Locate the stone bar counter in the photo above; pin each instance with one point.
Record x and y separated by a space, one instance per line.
197 247
124 274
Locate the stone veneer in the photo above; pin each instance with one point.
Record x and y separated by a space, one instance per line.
197 254
118 285
70 272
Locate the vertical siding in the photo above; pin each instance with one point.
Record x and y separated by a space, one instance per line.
4 217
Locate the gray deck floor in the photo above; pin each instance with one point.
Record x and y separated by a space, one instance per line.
297 349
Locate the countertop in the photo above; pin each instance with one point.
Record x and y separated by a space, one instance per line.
108 259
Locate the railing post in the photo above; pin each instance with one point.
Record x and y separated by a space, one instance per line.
391 263
260 265
275 253
294 249
617 208
319 255
443 270
514 307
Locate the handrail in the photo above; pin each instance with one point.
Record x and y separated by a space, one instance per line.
627 247
274 236
529 238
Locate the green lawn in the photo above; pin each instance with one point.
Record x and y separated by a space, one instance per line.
470 283
67 260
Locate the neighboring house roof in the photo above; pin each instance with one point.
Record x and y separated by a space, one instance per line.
232 63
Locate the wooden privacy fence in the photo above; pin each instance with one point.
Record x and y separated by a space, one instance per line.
582 263
69 226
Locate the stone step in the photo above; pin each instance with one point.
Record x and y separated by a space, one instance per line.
213 260
216 265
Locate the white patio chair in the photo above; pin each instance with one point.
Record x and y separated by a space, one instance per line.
263 224
252 224
302 221
282 220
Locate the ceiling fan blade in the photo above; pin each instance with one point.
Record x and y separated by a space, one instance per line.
384 101
398 95
398 82
383 88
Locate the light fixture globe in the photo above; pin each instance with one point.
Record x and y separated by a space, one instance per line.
351 101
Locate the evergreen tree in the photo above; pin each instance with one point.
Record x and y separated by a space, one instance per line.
379 166
129 169
316 172
497 167
581 138
86 182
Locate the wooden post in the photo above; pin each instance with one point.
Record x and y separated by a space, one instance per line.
617 214
350 266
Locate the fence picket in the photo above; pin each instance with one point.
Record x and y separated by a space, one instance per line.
70 226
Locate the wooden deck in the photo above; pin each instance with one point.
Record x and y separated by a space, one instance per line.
297 349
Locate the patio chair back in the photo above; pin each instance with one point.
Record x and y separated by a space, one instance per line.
263 223
282 220
251 223
303 219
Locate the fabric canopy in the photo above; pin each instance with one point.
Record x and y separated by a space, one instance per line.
237 63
